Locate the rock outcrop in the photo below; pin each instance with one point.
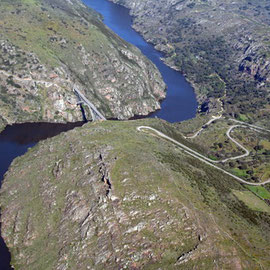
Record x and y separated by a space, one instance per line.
106 196
221 46
48 46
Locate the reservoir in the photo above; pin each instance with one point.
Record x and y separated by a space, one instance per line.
180 103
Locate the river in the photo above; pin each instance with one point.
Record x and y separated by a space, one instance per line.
180 103
15 141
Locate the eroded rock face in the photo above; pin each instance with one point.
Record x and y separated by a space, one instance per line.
106 196
50 46
31 91
221 46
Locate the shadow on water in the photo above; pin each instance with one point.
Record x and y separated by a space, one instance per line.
29 133
15 141
83 114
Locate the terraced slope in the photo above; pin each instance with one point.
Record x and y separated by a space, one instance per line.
106 196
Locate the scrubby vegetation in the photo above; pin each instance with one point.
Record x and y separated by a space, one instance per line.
221 46
214 143
112 197
48 46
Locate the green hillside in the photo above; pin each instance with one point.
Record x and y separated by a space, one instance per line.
107 196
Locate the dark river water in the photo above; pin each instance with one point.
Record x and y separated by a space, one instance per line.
180 103
14 142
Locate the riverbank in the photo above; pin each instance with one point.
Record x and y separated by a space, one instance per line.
39 68
202 97
180 102
15 141
219 55
109 185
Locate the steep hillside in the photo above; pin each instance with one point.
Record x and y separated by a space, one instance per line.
48 46
222 47
107 196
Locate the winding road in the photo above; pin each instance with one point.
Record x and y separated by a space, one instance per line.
240 124
202 158
200 130
249 125
237 143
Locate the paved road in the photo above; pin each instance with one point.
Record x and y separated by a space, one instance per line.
200 157
243 125
200 130
231 119
94 111
249 125
247 152
237 143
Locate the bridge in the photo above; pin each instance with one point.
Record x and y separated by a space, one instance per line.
96 115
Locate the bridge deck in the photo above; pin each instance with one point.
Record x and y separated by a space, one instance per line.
94 111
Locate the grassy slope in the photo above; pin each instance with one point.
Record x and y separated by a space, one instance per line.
30 23
213 142
191 201
71 41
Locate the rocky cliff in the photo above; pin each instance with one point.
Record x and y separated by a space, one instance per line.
106 196
48 46
221 46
